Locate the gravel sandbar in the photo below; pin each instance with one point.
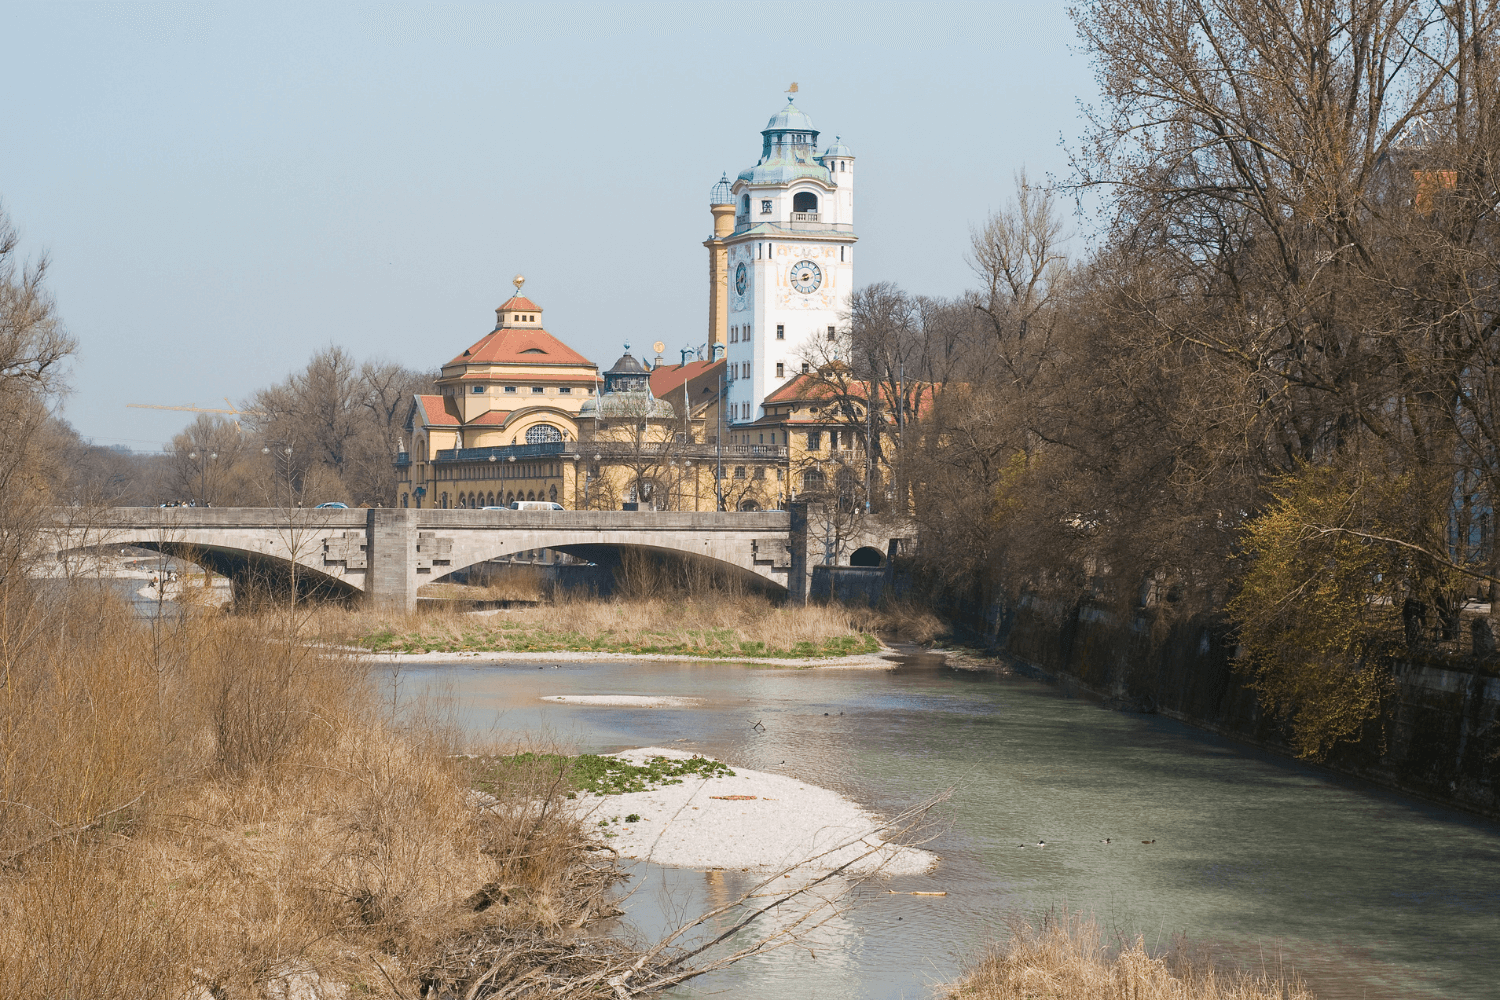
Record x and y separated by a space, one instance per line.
882 660
625 700
786 823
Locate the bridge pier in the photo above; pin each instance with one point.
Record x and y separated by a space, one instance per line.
392 576
799 573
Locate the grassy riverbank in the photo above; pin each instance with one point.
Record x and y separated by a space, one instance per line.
738 627
1069 959
226 807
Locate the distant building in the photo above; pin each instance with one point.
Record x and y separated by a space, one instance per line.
750 422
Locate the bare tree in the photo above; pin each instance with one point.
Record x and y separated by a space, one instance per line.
34 347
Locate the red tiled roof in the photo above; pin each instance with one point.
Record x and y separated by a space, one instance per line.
518 303
665 378
490 418
529 378
520 345
808 386
435 412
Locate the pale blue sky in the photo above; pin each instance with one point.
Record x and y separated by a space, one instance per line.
223 189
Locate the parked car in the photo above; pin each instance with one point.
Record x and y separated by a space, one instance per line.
335 504
536 505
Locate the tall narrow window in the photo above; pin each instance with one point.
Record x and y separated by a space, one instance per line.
745 334
780 331
780 369
831 331
841 252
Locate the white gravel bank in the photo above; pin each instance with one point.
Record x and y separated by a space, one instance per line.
787 822
625 700
883 660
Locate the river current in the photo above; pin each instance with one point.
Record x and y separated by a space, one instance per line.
1259 862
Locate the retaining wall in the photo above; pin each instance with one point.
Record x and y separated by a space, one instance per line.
1438 736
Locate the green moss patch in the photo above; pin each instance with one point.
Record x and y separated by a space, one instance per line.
587 772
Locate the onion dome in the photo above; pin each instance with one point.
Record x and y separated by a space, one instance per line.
790 119
627 393
838 148
721 193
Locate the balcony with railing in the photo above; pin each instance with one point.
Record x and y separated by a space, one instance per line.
609 450
696 452
800 222
504 453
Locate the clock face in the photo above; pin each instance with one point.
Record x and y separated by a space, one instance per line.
740 279
806 277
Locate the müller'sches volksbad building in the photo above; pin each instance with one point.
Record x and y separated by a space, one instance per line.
520 415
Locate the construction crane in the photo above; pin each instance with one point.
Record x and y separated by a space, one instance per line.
232 410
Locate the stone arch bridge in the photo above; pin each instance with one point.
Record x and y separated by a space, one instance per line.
386 554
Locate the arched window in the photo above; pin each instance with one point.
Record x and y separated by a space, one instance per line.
552 494
542 434
744 204
491 501
510 498
445 501
804 201
530 495
749 505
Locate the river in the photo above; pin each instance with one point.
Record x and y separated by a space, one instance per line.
1257 860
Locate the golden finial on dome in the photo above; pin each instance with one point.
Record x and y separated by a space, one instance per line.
518 281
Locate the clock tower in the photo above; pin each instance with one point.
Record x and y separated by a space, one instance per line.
788 259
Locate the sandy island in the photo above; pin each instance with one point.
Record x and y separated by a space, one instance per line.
881 660
774 822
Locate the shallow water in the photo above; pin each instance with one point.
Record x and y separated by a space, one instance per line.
1258 860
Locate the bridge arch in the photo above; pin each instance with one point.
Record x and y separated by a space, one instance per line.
694 562
256 575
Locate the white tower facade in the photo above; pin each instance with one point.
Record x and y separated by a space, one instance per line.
790 260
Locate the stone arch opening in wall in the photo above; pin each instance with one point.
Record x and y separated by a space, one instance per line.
552 494
804 201
543 434
867 555
746 505
256 576
510 498
607 556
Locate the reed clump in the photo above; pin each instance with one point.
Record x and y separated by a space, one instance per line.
1067 958
222 806
719 626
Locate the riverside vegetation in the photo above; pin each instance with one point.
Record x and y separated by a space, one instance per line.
209 808
1067 958
730 628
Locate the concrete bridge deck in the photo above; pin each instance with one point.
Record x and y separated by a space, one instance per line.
386 554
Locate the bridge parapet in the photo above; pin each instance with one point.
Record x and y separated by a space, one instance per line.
387 553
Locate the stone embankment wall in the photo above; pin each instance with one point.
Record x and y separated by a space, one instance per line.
1439 736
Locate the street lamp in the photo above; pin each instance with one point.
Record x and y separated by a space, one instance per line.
203 473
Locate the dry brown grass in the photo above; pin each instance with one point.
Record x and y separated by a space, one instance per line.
501 583
712 626
216 803
1067 959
